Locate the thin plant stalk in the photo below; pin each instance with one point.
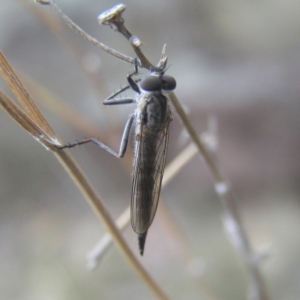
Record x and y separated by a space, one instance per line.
85 35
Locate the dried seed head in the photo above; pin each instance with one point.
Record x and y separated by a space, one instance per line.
112 15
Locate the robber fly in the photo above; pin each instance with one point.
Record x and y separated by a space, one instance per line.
152 118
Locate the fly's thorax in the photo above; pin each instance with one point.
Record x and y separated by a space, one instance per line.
153 110
152 104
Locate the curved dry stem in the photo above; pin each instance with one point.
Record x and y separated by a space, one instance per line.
85 35
23 96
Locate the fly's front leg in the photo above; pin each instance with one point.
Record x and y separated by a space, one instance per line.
111 100
123 146
118 101
131 82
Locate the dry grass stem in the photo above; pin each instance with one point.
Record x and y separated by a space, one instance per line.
85 35
22 95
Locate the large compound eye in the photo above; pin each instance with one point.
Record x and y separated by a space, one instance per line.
151 83
168 83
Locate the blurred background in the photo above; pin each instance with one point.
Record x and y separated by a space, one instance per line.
236 61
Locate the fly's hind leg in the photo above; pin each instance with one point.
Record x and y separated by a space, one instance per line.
123 146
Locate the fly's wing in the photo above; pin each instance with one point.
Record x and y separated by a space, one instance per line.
149 165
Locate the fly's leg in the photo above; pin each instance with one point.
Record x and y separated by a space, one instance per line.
111 100
118 101
111 97
123 146
131 82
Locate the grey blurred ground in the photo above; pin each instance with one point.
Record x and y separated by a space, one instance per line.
236 60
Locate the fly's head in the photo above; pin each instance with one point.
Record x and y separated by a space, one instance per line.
158 83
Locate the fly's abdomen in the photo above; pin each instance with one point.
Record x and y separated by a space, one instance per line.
144 184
